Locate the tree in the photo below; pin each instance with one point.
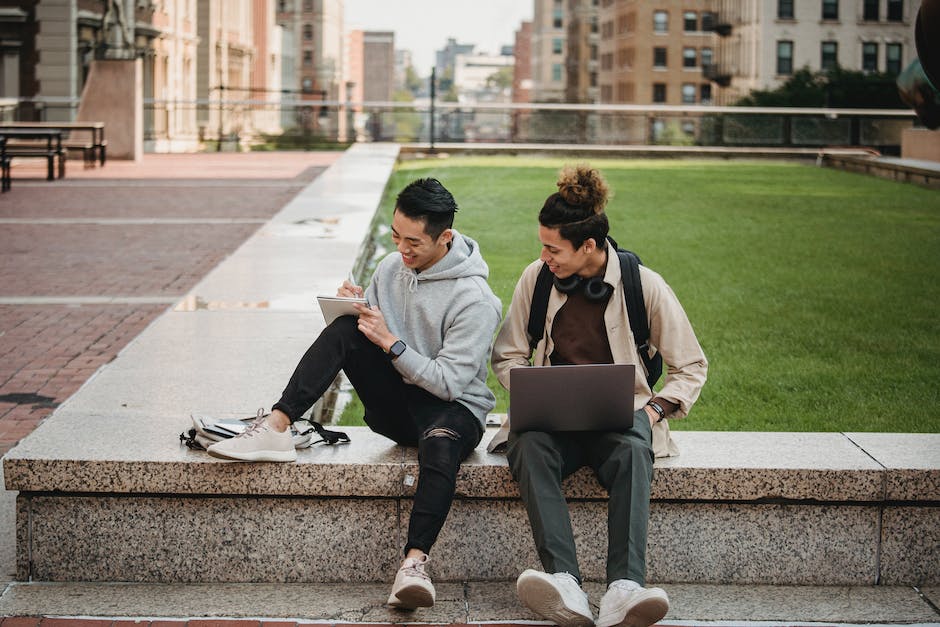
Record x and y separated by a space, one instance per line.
837 88
500 80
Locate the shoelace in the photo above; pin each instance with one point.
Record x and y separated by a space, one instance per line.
256 425
414 566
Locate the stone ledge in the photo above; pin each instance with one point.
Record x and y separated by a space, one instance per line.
130 455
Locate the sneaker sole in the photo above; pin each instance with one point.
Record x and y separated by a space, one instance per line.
647 612
255 456
542 598
411 598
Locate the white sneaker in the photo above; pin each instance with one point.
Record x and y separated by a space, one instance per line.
412 588
558 598
628 604
260 442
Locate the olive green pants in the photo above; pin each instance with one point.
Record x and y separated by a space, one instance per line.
622 463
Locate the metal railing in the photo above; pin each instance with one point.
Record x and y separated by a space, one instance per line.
243 124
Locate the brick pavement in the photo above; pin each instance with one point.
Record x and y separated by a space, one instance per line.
140 234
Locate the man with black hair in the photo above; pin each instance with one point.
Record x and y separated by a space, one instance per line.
586 322
416 355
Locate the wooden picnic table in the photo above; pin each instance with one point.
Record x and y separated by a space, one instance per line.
53 146
91 149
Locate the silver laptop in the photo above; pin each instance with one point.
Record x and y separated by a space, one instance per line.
596 397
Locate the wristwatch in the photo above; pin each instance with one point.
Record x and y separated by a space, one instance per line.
396 349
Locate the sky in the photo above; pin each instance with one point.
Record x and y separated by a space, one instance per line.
423 26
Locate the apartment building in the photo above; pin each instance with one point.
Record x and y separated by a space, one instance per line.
549 51
582 45
653 52
762 43
522 70
317 29
378 62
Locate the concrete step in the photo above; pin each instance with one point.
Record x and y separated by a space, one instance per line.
460 603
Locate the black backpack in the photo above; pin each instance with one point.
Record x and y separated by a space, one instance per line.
636 310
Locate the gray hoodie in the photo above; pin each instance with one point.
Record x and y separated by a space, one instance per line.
447 316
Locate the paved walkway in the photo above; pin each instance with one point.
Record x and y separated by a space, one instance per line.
87 262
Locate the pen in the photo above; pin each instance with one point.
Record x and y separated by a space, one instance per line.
352 281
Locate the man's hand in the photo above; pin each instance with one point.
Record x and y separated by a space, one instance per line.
348 290
651 413
372 325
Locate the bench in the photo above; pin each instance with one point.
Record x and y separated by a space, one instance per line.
5 179
87 137
44 143
743 508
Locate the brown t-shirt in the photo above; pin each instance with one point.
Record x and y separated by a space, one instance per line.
580 333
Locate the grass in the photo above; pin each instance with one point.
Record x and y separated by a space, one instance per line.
812 291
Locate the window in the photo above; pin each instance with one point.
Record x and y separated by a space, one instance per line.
784 57
895 10
870 10
688 127
660 22
308 32
659 57
707 56
785 9
830 9
689 57
308 6
556 72
869 56
308 58
282 6
708 21
688 93
659 92
307 85
705 93
607 63
557 45
689 21
893 58
829 55
558 14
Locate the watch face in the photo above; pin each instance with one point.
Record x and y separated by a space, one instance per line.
397 348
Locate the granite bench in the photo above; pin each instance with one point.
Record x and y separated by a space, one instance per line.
763 508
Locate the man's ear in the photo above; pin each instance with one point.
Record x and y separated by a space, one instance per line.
446 236
589 245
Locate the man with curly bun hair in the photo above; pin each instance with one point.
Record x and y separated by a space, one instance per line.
587 323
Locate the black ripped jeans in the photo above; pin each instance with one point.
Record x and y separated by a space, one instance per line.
445 432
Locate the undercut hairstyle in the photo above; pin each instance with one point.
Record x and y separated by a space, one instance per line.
429 201
577 208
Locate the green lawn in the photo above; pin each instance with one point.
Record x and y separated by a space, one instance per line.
813 291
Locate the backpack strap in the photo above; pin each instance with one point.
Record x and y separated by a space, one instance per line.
636 312
539 306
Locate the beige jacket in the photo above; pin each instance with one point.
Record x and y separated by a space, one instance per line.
670 332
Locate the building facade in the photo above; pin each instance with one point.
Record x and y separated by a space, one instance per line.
549 51
522 70
581 64
653 52
762 43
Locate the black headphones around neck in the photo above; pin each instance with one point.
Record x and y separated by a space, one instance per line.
595 289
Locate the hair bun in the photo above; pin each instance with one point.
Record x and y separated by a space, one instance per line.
583 186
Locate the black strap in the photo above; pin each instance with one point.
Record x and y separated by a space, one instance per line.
633 297
636 312
539 307
328 436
